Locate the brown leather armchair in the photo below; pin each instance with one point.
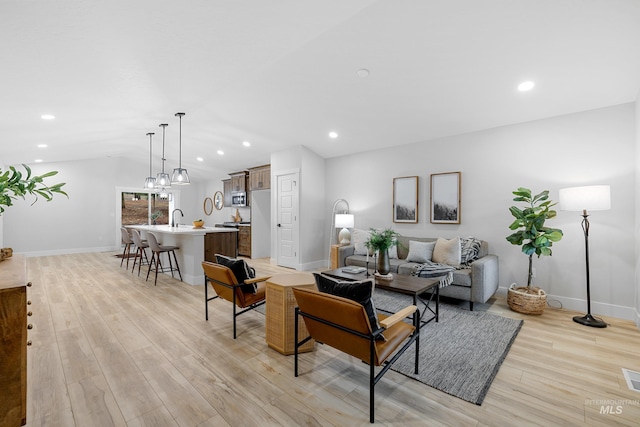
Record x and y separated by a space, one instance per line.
226 285
343 324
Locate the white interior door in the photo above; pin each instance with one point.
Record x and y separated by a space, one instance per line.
287 211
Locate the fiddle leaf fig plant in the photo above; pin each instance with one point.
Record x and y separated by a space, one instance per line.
529 225
14 184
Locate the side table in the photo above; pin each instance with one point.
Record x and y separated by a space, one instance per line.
280 312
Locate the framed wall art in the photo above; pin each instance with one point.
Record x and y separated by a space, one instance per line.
405 199
445 198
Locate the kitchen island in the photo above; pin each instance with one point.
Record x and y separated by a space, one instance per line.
196 245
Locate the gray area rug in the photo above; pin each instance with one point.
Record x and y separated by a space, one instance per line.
461 354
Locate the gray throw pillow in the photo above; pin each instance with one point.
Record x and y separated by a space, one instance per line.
420 251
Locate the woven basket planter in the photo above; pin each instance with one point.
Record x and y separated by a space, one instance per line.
531 301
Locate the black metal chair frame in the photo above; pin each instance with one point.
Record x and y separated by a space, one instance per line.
157 265
386 365
235 306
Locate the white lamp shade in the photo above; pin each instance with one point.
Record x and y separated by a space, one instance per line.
590 198
344 221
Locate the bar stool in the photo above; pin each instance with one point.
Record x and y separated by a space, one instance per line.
158 249
126 239
141 245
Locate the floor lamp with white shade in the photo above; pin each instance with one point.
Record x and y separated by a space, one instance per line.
587 198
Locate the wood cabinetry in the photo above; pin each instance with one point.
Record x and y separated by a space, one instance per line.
239 181
260 178
226 185
13 336
244 241
223 243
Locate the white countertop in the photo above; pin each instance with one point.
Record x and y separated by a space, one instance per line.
183 229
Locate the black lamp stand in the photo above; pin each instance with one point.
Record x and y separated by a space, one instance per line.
588 319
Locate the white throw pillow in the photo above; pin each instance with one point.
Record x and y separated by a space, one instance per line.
393 252
420 251
447 251
359 238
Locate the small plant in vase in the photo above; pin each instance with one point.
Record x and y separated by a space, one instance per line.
155 216
380 242
535 239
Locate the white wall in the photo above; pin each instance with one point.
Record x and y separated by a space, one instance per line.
312 203
637 223
86 221
593 147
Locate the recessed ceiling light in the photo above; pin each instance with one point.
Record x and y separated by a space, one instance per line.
220 153
48 117
42 145
333 135
38 160
200 159
525 86
246 143
363 72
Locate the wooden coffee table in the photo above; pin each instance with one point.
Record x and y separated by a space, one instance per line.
403 284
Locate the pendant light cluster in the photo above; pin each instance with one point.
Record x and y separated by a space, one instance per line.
162 181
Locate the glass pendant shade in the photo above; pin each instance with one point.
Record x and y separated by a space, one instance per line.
150 181
180 175
163 194
163 179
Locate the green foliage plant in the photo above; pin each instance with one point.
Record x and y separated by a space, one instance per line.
382 240
14 184
530 231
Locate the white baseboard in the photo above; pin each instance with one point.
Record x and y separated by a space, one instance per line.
597 308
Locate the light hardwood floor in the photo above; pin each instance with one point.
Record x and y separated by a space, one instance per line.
110 348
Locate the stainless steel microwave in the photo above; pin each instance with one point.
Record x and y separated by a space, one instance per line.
239 199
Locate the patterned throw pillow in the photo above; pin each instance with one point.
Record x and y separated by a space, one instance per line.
447 251
360 292
240 269
469 249
420 251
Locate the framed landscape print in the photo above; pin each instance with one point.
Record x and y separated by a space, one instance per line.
405 199
445 198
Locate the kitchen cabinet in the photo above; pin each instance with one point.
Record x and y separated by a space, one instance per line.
260 178
239 182
244 241
13 336
226 183
220 243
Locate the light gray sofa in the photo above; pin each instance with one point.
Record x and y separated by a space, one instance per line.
477 283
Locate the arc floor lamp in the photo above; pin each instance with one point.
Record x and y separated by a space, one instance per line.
587 198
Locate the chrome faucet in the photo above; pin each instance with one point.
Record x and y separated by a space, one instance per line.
173 217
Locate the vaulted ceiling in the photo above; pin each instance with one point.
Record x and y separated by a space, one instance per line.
282 73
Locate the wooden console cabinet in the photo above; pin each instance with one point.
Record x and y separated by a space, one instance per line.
281 312
13 336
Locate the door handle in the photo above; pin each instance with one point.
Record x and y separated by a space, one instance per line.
279 225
